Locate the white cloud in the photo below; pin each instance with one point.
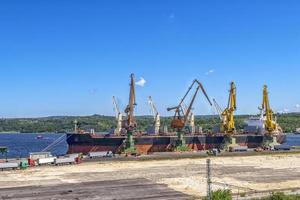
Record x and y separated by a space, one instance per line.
286 110
297 106
210 72
172 16
141 82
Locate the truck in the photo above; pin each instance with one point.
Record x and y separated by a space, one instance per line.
64 161
100 154
9 165
46 161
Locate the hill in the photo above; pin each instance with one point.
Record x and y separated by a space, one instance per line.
289 123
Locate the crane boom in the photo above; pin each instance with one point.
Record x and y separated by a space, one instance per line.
116 107
270 123
130 123
191 115
156 116
228 125
119 117
180 118
218 108
152 107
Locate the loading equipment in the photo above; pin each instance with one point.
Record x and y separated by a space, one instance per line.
270 125
181 115
129 124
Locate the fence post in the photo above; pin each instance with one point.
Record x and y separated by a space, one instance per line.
208 167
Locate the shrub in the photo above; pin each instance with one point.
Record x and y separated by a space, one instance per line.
281 196
221 195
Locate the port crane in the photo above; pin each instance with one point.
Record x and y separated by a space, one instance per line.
119 117
270 122
190 120
227 116
218 108
181 116
129 124
156 116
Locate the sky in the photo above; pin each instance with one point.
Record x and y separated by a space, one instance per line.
69 57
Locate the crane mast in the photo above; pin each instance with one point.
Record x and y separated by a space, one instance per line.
156 116
119 117
190 120
228 126
181 115
129 124
270 123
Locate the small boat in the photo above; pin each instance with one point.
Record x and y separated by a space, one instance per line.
39 137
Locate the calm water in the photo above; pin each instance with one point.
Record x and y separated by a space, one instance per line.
21 144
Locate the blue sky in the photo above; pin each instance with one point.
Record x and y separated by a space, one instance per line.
70 57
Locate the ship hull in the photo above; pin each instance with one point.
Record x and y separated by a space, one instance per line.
85 143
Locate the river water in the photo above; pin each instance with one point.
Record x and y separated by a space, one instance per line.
20 144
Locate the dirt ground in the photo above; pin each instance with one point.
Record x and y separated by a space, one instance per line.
187 176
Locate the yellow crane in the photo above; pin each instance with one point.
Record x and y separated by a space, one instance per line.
270 123
227 116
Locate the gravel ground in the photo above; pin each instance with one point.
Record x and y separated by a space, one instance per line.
251 174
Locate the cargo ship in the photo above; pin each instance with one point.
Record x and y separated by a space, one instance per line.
85 143
126 137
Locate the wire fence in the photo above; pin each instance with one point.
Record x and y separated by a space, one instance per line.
218 173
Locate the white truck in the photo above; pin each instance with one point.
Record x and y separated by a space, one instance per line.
64 161
46 161
9 165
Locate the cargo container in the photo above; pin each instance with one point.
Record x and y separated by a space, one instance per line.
45 161
9 165
74 155
39 155
282 147
64 161
100 154
238 149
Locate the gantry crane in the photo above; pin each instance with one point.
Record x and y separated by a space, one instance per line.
180 118
119 117
129 124
271 126
227 116
156 116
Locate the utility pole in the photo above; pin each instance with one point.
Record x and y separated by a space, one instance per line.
208 167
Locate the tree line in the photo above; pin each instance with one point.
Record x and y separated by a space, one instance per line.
288 122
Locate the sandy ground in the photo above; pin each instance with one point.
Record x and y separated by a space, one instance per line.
241 174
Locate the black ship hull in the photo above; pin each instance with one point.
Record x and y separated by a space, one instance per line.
85 143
